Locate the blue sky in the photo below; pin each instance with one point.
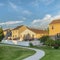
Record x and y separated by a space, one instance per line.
34 13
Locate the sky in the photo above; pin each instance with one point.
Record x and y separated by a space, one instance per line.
32 13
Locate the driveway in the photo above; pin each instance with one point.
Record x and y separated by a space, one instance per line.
37 56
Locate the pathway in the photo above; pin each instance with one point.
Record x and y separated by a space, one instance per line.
37 56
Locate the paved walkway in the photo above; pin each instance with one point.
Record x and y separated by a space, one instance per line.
37 56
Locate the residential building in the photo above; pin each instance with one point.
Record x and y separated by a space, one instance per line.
24 33
7 34
54 29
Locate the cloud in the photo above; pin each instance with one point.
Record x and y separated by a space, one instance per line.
47 17
24 18
26 12
56 17
1 4
44 22
14 6
11 22
35 3
19 9
36 21
47 2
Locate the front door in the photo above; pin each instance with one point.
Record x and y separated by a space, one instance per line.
27 37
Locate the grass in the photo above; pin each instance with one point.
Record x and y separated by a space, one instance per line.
14 53
51 53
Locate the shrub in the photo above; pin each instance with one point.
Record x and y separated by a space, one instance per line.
44 38
56 46
30 44
50 42
57 42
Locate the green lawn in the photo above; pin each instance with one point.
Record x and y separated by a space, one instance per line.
14 53
51 53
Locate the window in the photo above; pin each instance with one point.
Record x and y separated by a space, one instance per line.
24 37
58 35
52 27
13 35
33 37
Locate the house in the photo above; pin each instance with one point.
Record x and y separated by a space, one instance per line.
16 32
7 34
54 29
24 33
5 31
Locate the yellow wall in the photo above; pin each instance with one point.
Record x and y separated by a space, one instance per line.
4 32
22 29
15 34
27 31
20 32
40 35
55 30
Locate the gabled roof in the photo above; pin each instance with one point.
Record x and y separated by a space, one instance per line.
32 29
6 29
38 31
17 27
55 21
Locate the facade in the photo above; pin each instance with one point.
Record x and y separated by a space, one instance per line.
7 34
24 33
16 32
54 29
5 31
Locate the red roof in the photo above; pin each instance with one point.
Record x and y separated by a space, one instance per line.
17 27
38 31
55 21
34 30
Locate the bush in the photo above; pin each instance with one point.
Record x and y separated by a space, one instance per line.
57 42
56 46
30 44
50 42
44 39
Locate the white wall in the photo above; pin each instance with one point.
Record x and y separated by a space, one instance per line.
22 43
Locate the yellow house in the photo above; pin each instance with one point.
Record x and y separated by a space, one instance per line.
16 32
5 31
24 33
54 28
7 34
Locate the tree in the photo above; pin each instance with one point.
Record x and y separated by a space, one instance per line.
1 34
50 42
57 42
44 38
